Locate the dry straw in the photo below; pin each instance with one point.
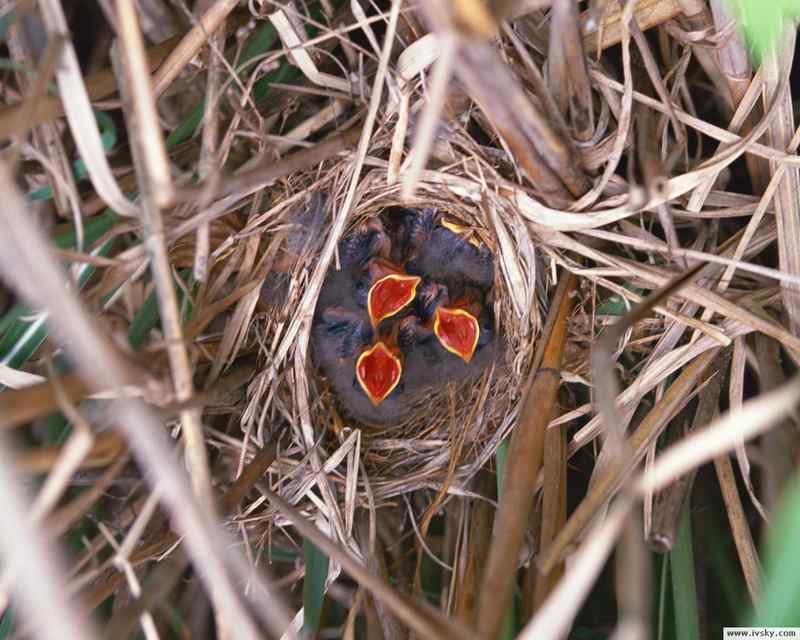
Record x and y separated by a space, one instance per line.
561 156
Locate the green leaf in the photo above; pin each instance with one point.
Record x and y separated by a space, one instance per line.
313 586
148 315
501 459
684 589
616 305
778 606
259 42
187 127
93 228
108 134
6 624
661 617
764 22
143 322
26 332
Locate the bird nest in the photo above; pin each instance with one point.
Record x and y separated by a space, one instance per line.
451 432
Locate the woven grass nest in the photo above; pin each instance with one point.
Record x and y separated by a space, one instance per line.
453 430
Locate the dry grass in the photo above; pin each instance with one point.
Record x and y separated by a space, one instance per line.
611 156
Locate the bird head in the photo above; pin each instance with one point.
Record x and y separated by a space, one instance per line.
454 321
378 371
420 225
448 252
430 295
391 291
367 241
342 333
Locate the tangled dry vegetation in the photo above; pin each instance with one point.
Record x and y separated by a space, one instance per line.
636 180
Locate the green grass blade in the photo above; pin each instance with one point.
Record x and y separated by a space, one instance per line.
684 589
108 135
27 331
507 630
143 322
313 587
662 598
7 624
501 458
764 23
187 127
779 605
147 316
259 42
93 228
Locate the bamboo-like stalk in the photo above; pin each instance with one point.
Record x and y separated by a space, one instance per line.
632 570
522 469
474 545
734 63
554 509
779 444
32 561
210 138
568 74
780 135
742 536
697 15
544 155
190 44
150 161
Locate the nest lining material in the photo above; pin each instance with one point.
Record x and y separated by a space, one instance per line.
450 433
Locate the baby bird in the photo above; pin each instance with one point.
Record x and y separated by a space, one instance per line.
343 286
446 340
434 249
397 222
339 336
460 318
366 374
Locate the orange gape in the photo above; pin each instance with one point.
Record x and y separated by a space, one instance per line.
458 331
378 371
390 294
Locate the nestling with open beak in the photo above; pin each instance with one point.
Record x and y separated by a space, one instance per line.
366 374
446 340
460 318
385 289
344 287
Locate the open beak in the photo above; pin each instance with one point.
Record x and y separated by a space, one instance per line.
390 294
457 330
378 371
